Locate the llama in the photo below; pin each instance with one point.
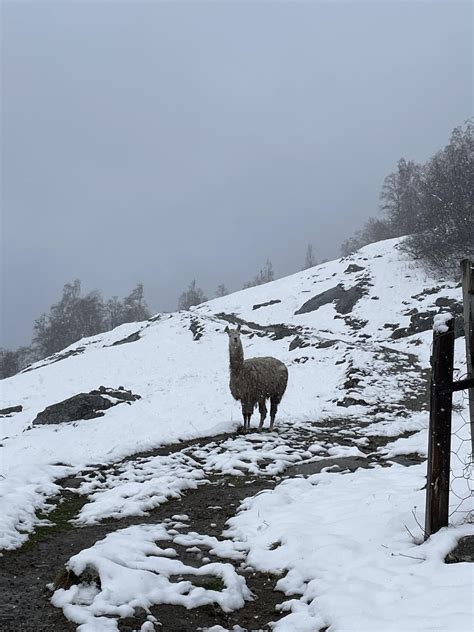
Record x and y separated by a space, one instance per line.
255 380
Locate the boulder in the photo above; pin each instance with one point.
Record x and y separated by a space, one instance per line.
344 299
84 406
11 409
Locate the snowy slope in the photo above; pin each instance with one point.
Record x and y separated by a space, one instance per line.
355 335
182 376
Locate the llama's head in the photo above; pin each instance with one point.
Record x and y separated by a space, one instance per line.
234 337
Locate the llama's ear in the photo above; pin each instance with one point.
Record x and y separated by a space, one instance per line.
238 327
226 329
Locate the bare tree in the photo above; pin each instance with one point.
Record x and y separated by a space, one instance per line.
446 223
432 204
135 308
265 275
401 199
115 312
8 363
221 291
310 260
374 229
192 296
69 320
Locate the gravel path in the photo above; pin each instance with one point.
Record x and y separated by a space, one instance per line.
25 573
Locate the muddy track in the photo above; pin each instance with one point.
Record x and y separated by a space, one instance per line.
25 573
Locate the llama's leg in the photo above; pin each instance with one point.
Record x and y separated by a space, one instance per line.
248 414
273 411
244 415
263 413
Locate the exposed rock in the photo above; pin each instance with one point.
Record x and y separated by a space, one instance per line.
344 299
276 332
196 328
350 298
56 357
419 321
325 344
353 267
423 321
122 394
84 406
280 331
259 305
329 296
351 401
297 343
153 319
131 338
430 290
301 360
10 410
456 309
463 551
355 323
352 382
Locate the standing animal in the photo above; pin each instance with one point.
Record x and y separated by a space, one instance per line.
255 380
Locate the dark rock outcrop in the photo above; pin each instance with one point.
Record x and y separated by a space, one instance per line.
297 343
84 406
423 321
344 299
10 410
463 551
353 267
275 332
351 401
131 338
259 305
456 309
196 328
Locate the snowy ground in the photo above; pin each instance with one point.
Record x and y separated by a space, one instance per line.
346 543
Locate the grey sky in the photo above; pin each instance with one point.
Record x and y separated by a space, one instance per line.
158 142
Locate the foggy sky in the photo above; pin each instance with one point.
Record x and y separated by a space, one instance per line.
159 142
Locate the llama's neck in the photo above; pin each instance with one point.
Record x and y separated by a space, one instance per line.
236 357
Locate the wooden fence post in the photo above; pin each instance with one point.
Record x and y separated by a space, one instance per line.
439 441
468 301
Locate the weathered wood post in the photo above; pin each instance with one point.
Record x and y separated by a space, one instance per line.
467 268
439 441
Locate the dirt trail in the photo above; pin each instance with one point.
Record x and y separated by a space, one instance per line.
24 573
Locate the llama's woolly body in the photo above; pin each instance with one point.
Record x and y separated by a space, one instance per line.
259 378
255 380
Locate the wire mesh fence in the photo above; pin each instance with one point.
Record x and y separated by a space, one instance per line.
461 482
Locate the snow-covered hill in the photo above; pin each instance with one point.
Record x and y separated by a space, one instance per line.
355 334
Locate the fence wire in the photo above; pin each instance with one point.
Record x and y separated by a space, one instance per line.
461 483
